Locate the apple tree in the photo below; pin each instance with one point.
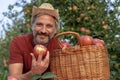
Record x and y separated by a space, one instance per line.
96 18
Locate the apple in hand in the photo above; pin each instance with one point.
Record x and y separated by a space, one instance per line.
12 78
40 49
98 42
86 40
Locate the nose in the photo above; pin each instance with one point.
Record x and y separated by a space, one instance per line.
44 29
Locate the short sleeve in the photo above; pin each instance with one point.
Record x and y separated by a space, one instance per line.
15 55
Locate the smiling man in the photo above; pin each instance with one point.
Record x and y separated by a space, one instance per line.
22 62
43 29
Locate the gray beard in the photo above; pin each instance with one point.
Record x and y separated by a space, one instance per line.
38 41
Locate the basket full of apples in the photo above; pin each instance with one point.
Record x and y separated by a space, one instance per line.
87 60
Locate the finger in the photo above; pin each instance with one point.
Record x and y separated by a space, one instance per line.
39 58
46 59
33 58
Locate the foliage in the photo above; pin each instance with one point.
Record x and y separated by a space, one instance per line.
99 18
46 75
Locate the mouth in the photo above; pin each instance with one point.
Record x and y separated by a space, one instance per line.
42 36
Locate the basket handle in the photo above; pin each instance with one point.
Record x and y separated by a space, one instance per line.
66 33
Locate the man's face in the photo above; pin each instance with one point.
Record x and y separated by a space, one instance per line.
43 29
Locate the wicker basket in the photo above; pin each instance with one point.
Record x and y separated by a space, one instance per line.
80 62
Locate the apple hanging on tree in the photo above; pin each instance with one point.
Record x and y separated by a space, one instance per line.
82 29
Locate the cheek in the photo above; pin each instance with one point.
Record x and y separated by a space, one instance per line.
35 29
53 31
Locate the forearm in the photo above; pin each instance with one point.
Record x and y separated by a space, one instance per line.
25 76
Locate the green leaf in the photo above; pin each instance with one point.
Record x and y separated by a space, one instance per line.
36 76
48 75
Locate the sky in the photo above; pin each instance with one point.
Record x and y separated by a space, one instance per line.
3 8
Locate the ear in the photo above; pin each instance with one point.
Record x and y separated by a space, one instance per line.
32 27
56 30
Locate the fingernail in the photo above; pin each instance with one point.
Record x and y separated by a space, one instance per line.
31 54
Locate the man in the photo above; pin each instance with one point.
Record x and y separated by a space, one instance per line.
22 62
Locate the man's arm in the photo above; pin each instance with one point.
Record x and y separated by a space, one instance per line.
37 67
16 70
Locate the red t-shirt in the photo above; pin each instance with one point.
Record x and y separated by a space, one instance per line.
21 47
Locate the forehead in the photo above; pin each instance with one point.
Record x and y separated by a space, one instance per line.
45 17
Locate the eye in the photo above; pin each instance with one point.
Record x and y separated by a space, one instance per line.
39 24
49 26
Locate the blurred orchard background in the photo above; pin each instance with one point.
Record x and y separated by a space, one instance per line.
97 18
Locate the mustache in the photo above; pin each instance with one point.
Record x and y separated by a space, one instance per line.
41 33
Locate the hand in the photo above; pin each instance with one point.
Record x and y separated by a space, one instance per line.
39 66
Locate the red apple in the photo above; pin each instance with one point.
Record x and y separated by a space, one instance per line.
82 15
86 40
40 49
82 29
12 78
99 42
65 44
75 8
